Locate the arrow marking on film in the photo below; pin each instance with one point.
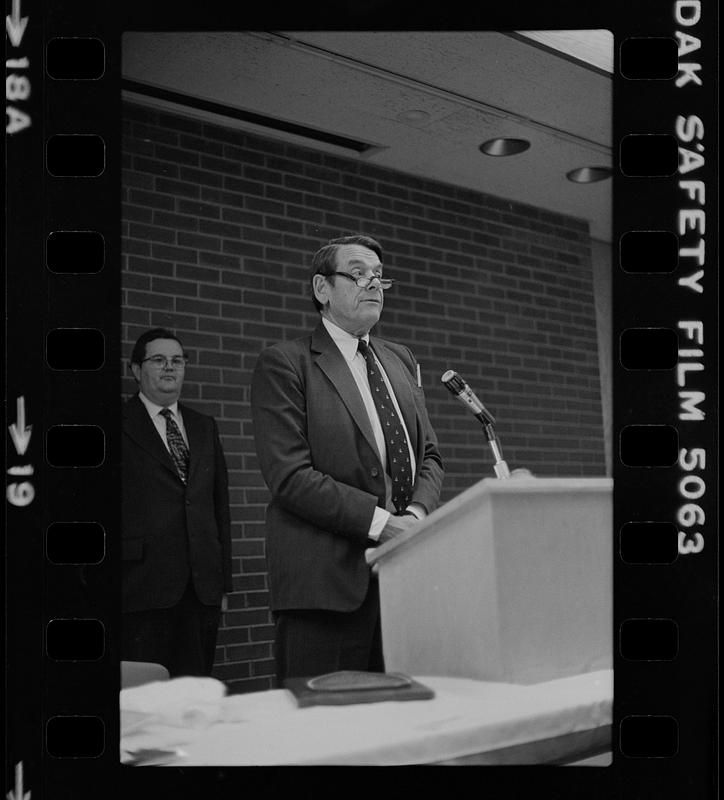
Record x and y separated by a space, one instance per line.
15 25
17 792
19 433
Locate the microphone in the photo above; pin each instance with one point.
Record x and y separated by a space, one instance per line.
458 388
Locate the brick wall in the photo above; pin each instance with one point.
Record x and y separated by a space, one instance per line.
218 232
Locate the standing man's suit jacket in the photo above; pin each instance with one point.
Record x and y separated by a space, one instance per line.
171 532
318 456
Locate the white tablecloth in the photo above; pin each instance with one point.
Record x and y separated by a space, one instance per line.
466 717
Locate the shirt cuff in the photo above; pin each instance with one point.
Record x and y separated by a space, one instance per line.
417 510
379 520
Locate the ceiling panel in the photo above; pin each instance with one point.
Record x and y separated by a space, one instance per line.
491 68
462 88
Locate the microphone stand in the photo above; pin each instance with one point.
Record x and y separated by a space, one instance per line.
500 467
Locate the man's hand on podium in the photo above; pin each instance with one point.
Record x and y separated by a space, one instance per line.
521 472
396 525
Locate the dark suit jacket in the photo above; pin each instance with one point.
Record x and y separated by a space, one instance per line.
171 532
318 456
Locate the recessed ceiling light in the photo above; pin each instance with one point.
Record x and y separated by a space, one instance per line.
504 147
588 174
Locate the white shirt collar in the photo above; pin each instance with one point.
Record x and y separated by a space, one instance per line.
154 409
345 341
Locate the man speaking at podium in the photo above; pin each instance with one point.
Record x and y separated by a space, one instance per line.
347 450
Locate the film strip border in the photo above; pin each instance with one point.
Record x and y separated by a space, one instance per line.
63 318
665 329
63 392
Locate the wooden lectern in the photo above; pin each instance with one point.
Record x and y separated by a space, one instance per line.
510 581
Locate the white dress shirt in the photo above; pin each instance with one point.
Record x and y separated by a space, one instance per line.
347 345
159 421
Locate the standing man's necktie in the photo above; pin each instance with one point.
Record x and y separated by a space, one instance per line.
398 453
176 444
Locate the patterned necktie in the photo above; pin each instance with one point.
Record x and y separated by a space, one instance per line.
398 453
176 444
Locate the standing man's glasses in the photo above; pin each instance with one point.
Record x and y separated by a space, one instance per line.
364 281
177 362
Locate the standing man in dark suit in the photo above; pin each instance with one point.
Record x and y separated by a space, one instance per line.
175 525
347 450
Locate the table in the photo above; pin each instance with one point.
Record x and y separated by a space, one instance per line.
468 722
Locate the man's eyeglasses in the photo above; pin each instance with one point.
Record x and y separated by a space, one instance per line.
363 281
177 362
